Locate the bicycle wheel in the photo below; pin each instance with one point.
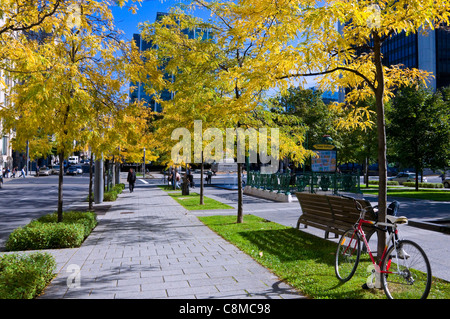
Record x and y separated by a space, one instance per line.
409 270
347 255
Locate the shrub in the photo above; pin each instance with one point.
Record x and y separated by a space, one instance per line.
112 194
424 185
25 276
87 219
47 233
45 236
391 183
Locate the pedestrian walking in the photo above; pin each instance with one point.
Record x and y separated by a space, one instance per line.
22 173
178 178
209 176
190 177
131 179
171 176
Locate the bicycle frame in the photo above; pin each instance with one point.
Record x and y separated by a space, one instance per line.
392 237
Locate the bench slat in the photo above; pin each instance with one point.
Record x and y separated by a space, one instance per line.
333 214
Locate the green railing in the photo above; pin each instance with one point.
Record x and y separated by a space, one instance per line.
305 182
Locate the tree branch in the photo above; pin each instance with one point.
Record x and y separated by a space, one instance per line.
371 85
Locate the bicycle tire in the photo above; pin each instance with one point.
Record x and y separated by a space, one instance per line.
347 259
412 277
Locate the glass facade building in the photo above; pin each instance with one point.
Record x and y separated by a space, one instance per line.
429 51
401 49
426 51
442 57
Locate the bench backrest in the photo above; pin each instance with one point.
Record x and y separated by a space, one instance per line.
336 207
314 204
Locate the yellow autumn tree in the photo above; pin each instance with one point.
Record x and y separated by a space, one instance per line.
66 80
340 41
202 71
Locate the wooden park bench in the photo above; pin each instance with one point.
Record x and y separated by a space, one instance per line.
334 214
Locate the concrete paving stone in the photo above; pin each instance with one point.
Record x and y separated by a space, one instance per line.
215 272
231 287
140 260
187 259
129 263
151 252
152 279
183 265
128 282
164 251
192 291
149 294
161 272
165 285
97 283
211 269
232 294
187 277
212 281
79 293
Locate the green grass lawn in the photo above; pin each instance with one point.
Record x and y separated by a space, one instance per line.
192 202
429 194
168 188
302 260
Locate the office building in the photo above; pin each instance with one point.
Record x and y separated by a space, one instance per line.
429 51
426 51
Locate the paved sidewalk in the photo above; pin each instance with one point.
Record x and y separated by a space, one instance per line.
148 246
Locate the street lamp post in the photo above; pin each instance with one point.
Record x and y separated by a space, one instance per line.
98 181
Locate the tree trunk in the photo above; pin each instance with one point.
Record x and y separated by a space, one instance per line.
240 210
201 182
381 130
60 187
91 193
366 171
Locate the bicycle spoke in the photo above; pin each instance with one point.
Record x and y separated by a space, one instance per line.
410 272
347 255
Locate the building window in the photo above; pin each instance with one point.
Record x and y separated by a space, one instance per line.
5 145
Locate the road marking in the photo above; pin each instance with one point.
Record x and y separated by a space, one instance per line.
143 181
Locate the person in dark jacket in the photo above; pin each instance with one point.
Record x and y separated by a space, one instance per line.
131 179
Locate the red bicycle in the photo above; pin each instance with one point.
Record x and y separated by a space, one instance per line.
404 271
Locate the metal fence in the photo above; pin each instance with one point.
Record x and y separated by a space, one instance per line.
305 182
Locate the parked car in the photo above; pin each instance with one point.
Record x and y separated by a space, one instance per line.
55 169
72 170
406 177
446 183
79 169
44 171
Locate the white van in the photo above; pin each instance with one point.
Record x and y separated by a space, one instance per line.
73 159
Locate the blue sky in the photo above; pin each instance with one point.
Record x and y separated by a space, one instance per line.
126 21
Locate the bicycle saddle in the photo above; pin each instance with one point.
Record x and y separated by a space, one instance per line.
397 219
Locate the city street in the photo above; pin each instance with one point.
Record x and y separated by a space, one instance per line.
24 199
